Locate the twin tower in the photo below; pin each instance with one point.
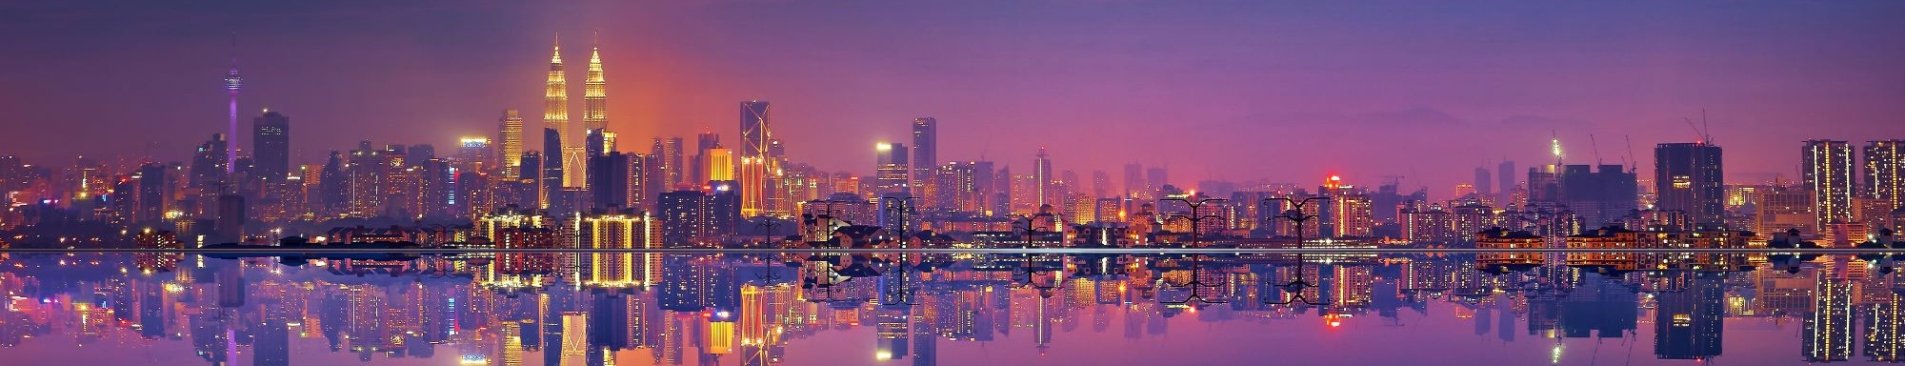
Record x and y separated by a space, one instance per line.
574 146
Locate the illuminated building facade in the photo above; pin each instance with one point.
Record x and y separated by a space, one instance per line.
755 165
1827 169
615 230
890 168
510 135
1885 173
925 157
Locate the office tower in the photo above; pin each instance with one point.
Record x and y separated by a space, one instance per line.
720 165
232 83
510 135
756 135
1348 211
1043 179
890 168
551 167
567 154
684 218
609 180
677 174
1484 183
622 229
271 145
925 155
1827 169
703 142
1100 184
1688 178
152 192
724 208
1505 183
595 95
1885 173
1133 179
208 163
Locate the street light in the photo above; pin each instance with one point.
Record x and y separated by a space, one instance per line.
1195 218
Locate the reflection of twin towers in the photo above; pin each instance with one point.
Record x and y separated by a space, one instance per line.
555 116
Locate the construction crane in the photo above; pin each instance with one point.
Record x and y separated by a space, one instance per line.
1597 149
1700 131
1630 154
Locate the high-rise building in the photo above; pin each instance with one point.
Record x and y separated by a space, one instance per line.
684 218
615 230
677 172
610 180
1133 179
890 168
1484 183
552 169
756 138
704 142
724 207
925 154
1688 323
1505 183
510 135
720 165
1885 173
1599 197
595 102
271 145
1043 179
1688 178
208 163
555 116
1827 169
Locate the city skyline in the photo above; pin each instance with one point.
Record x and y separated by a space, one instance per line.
670 87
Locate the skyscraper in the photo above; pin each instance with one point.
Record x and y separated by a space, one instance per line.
1505 179
1885 172
756 137
889 168
595 95
609 180
1688 178
754 128
1042 178
1484 183
1133 179
925 153
271 142
510 135
704 142
568 154
1826 166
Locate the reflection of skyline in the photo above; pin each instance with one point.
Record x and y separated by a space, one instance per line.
712 310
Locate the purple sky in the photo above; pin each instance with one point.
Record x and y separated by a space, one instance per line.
1230 90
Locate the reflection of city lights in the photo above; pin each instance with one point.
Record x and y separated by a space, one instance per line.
883 355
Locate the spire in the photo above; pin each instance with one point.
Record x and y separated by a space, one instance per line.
556 57
595 50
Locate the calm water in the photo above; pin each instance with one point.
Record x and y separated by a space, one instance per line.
950 309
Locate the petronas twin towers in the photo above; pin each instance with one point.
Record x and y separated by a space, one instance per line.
555 115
